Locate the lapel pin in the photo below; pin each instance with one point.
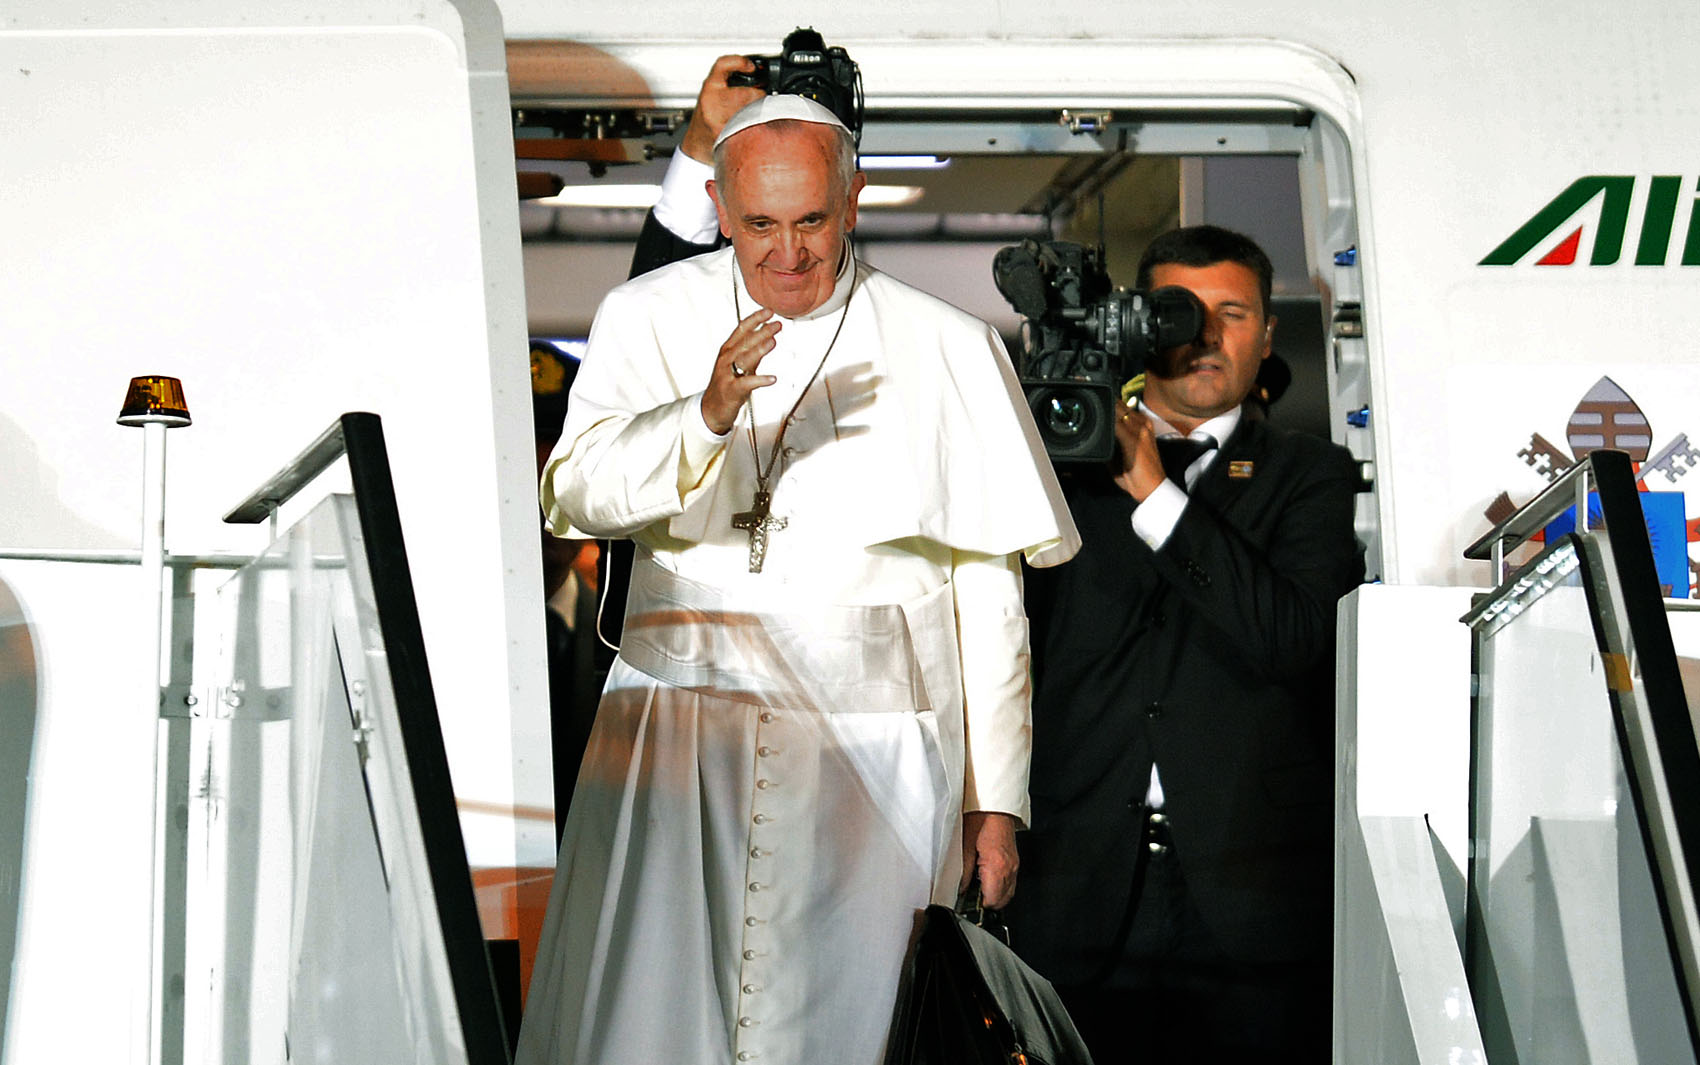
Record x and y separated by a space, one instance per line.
1241 469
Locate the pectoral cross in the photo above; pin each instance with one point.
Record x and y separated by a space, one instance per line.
757 521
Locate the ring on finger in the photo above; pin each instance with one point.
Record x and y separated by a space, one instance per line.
738 371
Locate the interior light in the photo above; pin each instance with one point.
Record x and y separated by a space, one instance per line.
889 195
607 196
903 162
644 196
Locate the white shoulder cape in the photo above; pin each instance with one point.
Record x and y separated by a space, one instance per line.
946 447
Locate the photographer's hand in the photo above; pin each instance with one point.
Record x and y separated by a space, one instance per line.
717 102
734 376
1140 468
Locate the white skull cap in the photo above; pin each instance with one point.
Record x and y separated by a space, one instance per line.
773 108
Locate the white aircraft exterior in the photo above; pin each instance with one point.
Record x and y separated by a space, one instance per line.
307 208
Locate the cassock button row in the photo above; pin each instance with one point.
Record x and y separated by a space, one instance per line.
750 989
751 922
755 886
760 819
764 784
767 717
746 1022
745 1055
749 955
757 852
764 751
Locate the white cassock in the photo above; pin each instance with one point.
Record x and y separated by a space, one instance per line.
774 783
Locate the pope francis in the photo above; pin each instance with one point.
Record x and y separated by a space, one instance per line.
818 720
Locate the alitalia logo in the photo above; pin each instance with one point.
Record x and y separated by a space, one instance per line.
1653 242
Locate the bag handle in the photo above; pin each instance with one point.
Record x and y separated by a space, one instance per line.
971 907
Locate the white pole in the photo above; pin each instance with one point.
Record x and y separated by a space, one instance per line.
154 582
155 404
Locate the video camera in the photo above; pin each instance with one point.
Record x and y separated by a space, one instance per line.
1081 338
807 67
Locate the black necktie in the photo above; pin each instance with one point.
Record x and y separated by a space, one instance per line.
1179 453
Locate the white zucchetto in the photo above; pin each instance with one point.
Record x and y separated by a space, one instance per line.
774 108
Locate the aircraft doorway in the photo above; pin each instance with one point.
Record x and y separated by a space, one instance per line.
947 189
949 186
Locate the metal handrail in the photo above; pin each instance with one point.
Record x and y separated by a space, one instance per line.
1570 490
281 486
122 558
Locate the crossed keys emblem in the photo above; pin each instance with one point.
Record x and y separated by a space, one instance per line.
1607 417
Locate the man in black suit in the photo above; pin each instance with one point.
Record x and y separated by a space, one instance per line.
1176 884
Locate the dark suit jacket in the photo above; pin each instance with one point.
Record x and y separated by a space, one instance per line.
657 246
1214 657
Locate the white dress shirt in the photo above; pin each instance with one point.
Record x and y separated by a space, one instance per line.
1155 518
684 208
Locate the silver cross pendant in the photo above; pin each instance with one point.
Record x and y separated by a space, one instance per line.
757 521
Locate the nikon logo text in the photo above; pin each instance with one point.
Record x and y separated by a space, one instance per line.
1652 247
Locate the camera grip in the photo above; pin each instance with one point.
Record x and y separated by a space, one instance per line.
749 79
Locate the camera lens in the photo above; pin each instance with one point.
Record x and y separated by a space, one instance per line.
1066 418
1074 419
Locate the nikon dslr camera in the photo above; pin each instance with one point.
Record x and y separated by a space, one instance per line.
807 67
